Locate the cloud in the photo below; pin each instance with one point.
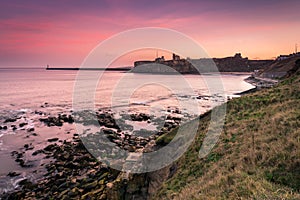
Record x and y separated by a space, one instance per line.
73 27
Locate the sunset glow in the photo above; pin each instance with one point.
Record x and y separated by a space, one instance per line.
62 33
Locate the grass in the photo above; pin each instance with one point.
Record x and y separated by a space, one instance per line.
257 155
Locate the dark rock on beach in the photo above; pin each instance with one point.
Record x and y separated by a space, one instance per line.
140 117
28 147
30 129
14 127
22 124
57 121
38 152
13 174
72 172
10 120
53 139
52 121
34 134
17 154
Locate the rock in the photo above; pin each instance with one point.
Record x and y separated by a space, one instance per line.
17 154
13 174
103 196
63 193
25 183
65 156
4 127
101 182
23 124
87 196
14 127
36 112
90 186
103 176
131 148
52 121
38 152
53 139
98 191
74 192
10 120
28 147
63 186
72 173
50 147
139 117
22 163
109 185
30 129
73 180
111 135
70 119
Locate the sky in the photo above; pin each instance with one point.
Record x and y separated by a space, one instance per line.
62 33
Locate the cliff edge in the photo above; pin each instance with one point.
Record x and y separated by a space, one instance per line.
258 153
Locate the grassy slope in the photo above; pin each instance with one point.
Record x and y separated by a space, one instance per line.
257 156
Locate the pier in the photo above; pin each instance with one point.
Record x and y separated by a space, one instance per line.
124 69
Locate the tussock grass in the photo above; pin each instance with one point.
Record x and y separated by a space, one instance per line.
257 156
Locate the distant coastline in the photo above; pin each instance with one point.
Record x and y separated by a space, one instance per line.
235 63
90 69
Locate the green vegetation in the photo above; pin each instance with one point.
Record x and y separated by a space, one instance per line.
257 156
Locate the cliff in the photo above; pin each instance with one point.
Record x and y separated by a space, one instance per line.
281 67
239 64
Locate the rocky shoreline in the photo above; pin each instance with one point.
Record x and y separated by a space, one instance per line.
72 171
258 83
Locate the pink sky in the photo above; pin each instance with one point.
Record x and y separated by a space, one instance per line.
37 33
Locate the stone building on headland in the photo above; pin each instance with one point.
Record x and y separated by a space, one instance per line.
235 63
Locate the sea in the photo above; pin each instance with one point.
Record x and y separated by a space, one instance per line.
28 94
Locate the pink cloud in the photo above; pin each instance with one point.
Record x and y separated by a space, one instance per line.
64 35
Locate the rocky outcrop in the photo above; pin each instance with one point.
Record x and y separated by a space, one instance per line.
239 64
235 63
139 186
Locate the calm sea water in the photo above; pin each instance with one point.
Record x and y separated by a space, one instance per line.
30 88
26 92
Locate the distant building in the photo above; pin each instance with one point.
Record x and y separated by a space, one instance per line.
176 57
282 57
238 55
160 59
